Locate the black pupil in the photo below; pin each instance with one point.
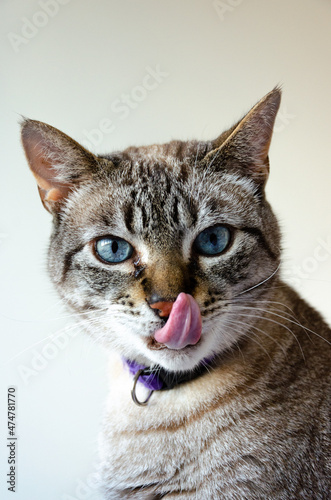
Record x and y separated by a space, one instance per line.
213 239
114 246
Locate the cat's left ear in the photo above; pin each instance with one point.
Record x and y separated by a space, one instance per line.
57 162
246 145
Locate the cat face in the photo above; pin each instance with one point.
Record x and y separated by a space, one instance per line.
165 238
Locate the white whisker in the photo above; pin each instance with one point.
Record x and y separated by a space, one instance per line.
295 322
247 334
261 282
276 323
263 333
54 335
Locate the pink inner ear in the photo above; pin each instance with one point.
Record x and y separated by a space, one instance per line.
37 150
54 194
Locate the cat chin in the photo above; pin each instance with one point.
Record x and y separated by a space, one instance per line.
178 360
211 344
154 345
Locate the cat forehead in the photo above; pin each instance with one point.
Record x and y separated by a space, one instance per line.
158 171
169 153
143 198
151 196
161 192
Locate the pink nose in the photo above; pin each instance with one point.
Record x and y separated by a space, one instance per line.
163 307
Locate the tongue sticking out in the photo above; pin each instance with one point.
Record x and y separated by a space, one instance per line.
183 326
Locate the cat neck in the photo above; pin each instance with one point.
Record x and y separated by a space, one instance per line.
157 378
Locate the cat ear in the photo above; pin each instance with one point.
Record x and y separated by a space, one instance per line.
57 162
246 145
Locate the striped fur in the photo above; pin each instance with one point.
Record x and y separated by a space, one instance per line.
257 425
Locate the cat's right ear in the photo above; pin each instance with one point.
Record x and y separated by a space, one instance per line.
245 146
57 162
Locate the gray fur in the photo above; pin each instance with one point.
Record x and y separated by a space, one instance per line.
258 425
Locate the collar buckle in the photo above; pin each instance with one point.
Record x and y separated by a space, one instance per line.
139 373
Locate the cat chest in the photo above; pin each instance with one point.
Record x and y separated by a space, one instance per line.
152 447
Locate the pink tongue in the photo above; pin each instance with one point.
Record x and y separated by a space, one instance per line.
183 326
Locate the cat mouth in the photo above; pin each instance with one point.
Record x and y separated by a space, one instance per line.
154 345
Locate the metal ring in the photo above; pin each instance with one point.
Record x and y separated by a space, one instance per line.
133 392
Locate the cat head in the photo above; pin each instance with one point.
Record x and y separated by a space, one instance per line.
162 238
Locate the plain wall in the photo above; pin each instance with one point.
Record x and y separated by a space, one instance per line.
68 63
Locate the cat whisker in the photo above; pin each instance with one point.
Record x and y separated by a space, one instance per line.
254 316
245 333
295 322
267 301
52 336
208 368
247 325
196 157
261 282
289 317
214 158
277 323
54 318
245 303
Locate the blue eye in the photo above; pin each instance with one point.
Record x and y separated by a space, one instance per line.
113 250
212 240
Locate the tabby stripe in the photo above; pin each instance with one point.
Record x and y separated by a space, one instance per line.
183 173
257 233
175 211
132 492
144 218
68 260
128 217
83 307
168 185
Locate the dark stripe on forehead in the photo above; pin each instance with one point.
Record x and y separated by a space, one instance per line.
144 217
257 233
193 210
183 173
129 217
167 185
175 215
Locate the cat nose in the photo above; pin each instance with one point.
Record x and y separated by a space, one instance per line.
163 306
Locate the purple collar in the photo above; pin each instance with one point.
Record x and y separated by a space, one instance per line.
148 377
158 379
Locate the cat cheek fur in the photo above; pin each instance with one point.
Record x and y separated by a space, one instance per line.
256 423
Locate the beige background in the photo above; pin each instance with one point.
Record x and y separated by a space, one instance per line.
70 63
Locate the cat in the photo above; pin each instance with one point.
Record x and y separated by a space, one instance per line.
170 256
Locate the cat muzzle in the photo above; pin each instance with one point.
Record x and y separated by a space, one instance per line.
184 324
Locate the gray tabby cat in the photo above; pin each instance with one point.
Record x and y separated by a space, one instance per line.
170 255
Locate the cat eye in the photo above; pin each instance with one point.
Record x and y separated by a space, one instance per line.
213 240
113 250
